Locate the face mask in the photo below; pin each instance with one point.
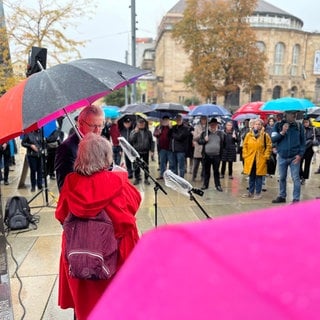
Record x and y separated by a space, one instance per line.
255 131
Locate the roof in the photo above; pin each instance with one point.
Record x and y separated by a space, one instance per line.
263 8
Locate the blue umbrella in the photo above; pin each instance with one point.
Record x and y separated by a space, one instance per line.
49 128
111 111
287 104
209 110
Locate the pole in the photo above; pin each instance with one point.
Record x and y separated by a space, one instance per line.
6 310
133 45
126 87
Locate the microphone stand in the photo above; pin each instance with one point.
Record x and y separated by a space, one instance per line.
157 186
192 198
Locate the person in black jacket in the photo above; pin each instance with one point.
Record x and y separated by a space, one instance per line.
126 126
142 141
179 134
33 142
91 119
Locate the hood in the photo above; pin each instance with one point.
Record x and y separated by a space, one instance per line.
89 194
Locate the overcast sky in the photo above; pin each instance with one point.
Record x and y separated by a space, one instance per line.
110 33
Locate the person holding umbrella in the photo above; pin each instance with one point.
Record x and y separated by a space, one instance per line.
289 138
91 119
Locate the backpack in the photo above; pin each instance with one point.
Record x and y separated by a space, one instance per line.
17 213
91 246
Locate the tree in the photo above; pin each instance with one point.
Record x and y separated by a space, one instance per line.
221 45
45 25
116 98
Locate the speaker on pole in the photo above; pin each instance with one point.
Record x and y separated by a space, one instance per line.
37 55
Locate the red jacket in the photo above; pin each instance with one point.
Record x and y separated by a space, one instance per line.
85 196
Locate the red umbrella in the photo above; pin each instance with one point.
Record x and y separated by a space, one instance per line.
261 265
49 94
253 107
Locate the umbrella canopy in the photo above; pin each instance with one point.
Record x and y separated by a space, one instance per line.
261 265
313 112
48 94
171 107
287 104
111 112
209 110
136 107
244 116
251 107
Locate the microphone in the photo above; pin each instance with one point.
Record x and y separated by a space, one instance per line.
128 149
179 184
132 153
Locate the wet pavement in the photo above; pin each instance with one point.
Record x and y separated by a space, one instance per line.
37 251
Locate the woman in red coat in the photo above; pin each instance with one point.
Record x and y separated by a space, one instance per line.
85 192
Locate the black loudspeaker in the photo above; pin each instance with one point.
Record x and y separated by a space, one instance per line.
37 54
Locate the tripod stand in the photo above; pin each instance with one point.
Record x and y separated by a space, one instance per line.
142 165
44 190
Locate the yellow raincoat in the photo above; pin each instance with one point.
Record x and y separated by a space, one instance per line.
258 149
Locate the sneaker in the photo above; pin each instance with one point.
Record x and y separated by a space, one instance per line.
257 196
247 195
159 178
279 200
222 176
231 177
33 189
135 182
295 201
147 182
204 187
6 183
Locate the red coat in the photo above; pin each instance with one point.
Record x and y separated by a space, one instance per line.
85 196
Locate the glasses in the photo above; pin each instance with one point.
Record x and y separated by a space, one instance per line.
94 126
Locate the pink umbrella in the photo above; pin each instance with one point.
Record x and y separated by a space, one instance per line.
260 265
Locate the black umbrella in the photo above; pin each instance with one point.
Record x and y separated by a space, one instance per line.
136 107
171 107
51 93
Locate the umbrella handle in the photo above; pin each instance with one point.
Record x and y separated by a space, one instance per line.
76 130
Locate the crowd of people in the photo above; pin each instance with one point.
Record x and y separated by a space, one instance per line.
85 163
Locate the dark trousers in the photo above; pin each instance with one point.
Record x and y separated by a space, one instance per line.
305 163
213 161
128 166
5 159
224 165
145 158
35 164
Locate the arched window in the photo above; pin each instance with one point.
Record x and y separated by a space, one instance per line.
279 58
261 46
256 93
276 93
295 60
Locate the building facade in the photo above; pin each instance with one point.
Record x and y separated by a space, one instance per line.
293 66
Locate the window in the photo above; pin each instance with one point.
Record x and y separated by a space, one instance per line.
279 59
295 60
256 93
261 46
276 92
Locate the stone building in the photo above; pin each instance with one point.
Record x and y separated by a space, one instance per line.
293 66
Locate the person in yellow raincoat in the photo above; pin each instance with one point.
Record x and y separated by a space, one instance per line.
257 147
